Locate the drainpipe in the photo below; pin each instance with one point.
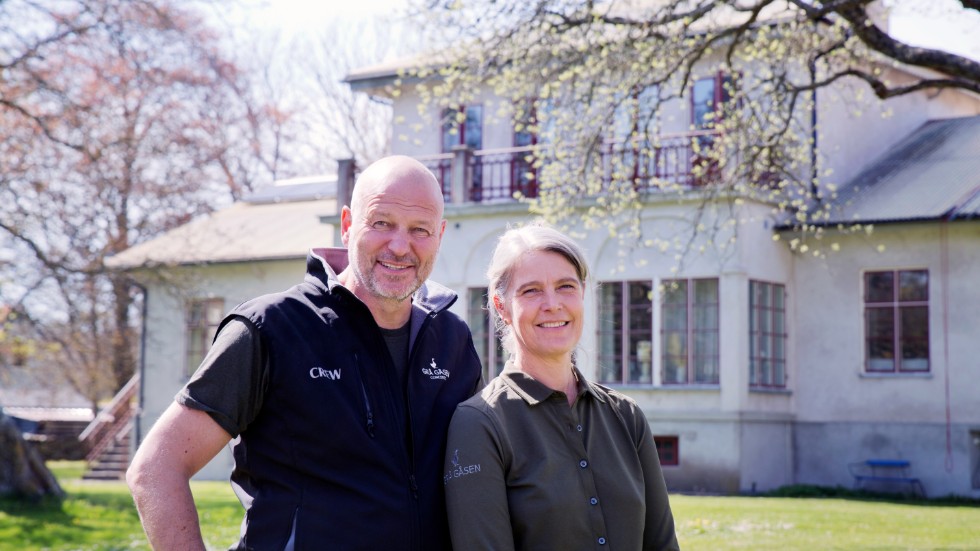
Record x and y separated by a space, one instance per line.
813 129
142 363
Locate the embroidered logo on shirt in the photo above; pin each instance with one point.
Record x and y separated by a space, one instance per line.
321 373
458 470
435 373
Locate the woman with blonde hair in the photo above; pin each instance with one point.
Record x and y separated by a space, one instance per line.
543 458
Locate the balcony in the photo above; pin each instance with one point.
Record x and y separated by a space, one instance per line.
500 175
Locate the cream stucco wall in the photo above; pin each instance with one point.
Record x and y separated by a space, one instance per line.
848 415
164 360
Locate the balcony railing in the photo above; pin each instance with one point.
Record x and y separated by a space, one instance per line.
659 163
484 175
499 175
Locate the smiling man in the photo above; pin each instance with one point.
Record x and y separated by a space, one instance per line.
339 392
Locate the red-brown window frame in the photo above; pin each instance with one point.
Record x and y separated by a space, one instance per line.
668 449
895 304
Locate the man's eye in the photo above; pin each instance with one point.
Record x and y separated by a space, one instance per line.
422 232
380 224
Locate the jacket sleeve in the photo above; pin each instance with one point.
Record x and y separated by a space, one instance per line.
476 484
658 532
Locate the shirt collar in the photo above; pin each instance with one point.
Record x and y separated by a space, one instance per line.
534 392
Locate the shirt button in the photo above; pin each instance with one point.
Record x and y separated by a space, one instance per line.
602 541
593 501
579 428
583 463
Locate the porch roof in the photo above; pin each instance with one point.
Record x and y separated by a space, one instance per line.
274 223
932 174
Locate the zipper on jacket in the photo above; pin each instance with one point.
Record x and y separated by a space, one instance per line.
414 485
368 414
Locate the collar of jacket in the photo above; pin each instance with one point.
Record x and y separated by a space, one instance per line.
534 392
323 265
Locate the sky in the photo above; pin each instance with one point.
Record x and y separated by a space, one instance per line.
920 22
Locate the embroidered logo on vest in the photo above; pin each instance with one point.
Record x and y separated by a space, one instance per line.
436 373
321 373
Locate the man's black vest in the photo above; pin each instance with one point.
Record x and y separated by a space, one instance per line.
335 459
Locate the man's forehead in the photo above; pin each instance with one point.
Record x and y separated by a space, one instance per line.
381 205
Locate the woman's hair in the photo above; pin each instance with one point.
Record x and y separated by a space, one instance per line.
511 246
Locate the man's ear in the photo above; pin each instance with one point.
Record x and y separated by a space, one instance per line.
346 219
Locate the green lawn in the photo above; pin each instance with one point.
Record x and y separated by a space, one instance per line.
100 516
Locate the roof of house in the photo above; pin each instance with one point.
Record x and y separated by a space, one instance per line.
277 222
932 174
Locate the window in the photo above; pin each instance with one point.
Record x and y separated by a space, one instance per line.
637 115
203 317
689 334
708 96
896 321
767 335
523 174
668 450
633 134
488 346
464 126
625 332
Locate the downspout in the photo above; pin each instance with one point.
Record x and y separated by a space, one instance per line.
944 277
813 129
142 364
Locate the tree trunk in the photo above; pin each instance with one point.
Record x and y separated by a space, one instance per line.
22 470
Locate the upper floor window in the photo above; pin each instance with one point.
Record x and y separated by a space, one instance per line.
485 339
637 117
767 335
896 321
203 318
625 332
708 96
689 333
523 172
462 126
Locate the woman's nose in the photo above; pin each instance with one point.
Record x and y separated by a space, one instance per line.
551 300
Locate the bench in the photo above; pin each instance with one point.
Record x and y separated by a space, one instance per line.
885 473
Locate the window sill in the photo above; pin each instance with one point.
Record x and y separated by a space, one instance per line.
764 390
672 386
894 375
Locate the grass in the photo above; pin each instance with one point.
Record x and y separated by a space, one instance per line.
100 516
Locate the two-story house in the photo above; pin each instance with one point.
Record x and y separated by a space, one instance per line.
758 364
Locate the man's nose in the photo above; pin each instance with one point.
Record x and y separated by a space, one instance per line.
399 243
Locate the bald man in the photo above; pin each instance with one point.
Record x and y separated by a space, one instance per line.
338 390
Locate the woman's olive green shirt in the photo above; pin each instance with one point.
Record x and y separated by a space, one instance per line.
526 471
